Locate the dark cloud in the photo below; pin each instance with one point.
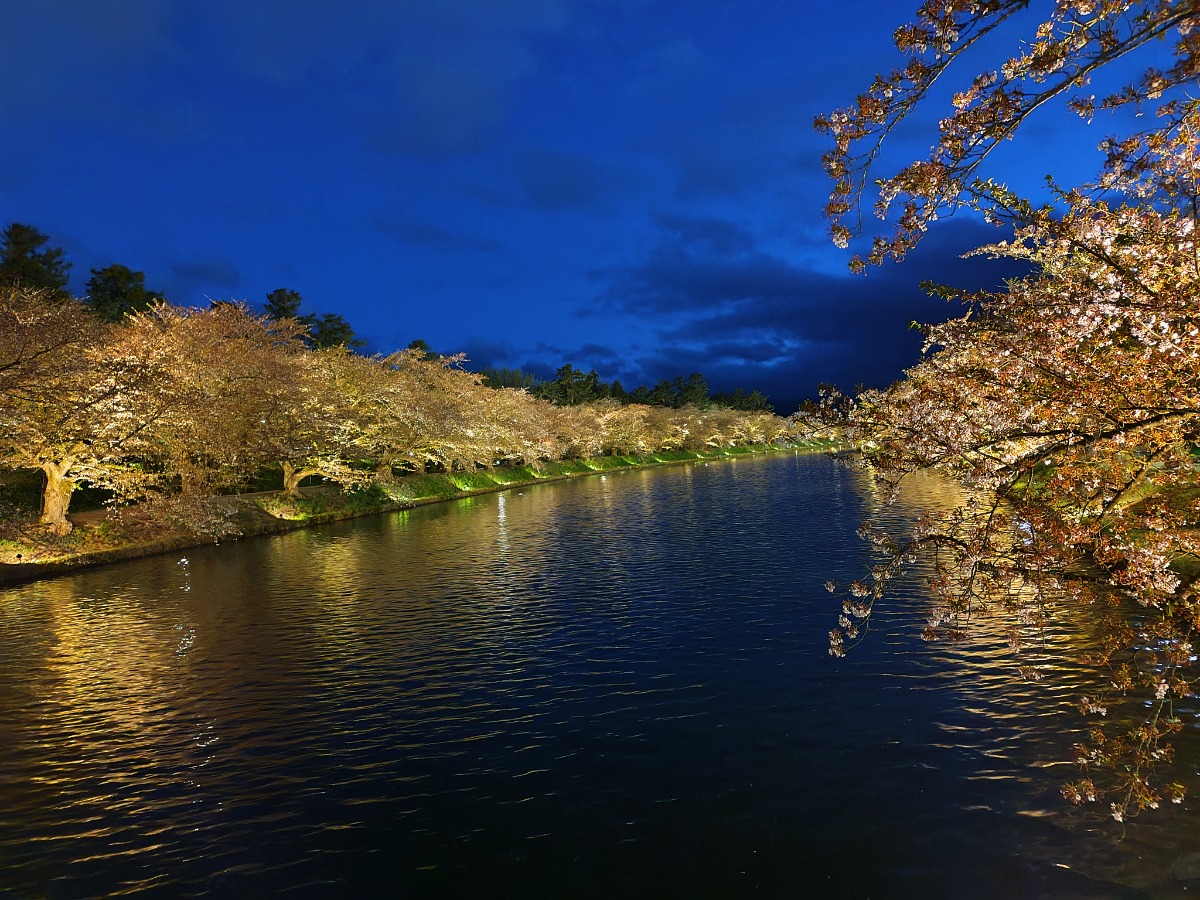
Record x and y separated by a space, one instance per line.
212 278
487 354
750 351
555 180
431 236
722 305
712 235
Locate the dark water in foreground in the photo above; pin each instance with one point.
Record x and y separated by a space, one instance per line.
609 687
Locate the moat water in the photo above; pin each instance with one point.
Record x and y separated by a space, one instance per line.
615 686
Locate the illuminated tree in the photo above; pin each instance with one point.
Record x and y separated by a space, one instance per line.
312 428
440 424
1076 40
1070 401
577 430
223 368
664 429
73 408
624 427
247 394
516 427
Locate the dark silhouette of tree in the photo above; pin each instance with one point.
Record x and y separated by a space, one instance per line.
285 304
323 332
27 261
640 395
509 378
572 387
755 401
664 394
421 346
331 330
116 291
692 391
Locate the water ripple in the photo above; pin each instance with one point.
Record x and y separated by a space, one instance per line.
591 688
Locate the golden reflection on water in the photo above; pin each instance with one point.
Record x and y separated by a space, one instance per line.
109 667
1046 649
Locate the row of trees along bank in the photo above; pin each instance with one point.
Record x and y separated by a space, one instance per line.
169 407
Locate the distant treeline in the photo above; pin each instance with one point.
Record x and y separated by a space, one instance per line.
115 291
574 387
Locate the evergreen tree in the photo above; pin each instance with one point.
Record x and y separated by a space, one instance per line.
664 394
116 291
573 387
285 304
325 331
419 345
640 394
693 391
27 261
509 378
755 401
331 330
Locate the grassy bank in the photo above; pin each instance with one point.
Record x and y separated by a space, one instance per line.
102 537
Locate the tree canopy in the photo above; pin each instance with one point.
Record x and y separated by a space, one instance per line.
571 387
1064 52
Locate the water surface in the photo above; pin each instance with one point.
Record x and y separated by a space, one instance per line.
612 686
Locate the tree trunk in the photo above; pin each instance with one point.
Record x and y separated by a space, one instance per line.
56 497
292 478
384 473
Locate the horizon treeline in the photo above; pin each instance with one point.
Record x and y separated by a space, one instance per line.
114 291
572 387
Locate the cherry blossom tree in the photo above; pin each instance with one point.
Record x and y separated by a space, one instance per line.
72 404
1069 403
222 369
1066 50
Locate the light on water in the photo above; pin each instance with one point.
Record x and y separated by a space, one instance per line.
612 686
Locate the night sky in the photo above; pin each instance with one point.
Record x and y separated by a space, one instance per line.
625 185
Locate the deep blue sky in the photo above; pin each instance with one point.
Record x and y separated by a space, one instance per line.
627 185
